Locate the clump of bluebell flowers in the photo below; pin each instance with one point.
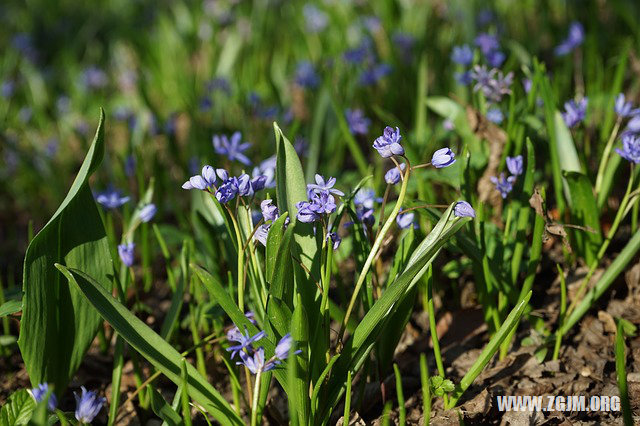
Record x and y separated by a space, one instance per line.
321 201
505 184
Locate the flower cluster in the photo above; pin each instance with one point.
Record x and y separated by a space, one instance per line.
490 48
573 40
242 186
630 148
321 201
574 112
88 404
492 83
269 214
365 200
233 148
388 144
505 185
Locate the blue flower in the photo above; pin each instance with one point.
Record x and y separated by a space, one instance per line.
256 362
88 405
405 220
148 212
388 144
495 58
130 165
232 148
94 78
443 157
323 186
462 55
394 175
126 253
315 19
494 115
244 340
283 348
366 197
335 239
261 233
40 392
305 214
111 199
203 181
573 40
630 148
306 76
24 114
269 210
267 169
463 78
374 74
505 186
515 165
323 203
363 52
493 83
8 88
624 108
575 112
405 43
487 42
463 209
227 191
358 123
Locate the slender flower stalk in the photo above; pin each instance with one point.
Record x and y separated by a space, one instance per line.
374 250
606 154
256 398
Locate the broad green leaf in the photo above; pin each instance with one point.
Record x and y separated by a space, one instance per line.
567 153
18 409
162 408
274 240
281 279
57 324
298 368
584 212
151 346
10 307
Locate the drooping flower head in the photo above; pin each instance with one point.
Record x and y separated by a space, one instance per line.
405 220
111 198
148 212
504 185
463 209
394 175
88 405
40 392
443 157
269 210
232 148
358 123
388 144
515 165
126 253
203 181
573 40
255 363
262 233
630 148
574 112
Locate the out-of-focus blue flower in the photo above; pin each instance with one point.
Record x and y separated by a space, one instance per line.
443 157
51 148
485 17
111 198
227 191
574 112
306 75
283 348
126 253
358 123
366 197
315 19
8 88
203 181
463 78
269 210
630 148
503 185
404 43
24 114
40 392
300 145
463 209
205 103
527 84
219 83
335 239
361 53
372 23
374 74
130 165
494 115
624 108
94 78
487 42
231 148
261 233
495 58
462 55
305 214
405 220
573 40
88 405
256 362
322 186
148 212
244 340
493 83
388 144
394 175
515 165
267 169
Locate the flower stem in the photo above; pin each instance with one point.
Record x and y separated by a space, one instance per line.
605 156
433 330
256 398
374 250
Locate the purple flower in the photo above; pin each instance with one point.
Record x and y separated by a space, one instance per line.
394 175
462 55
630 148
503 185
463 78
359 54
624 108
487 42
227 191
256 362
233 149
514 164
493 84
494 115
633 126
323 186
267 169
365 197
126 253
94 78
203 181
306 76
8 88
335 239
315 19
244 340
575 112
442 158
111 198
261 233
88 405
389 143
358 123
269 210
283 348
463 209
305 214
40 392
495 58
374 74
573 40
405 220
147 212
323 203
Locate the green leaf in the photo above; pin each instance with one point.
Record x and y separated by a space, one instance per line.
281 278
162 408
10 307
18 409
298 366
274 241
57 324
584 212
151 346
